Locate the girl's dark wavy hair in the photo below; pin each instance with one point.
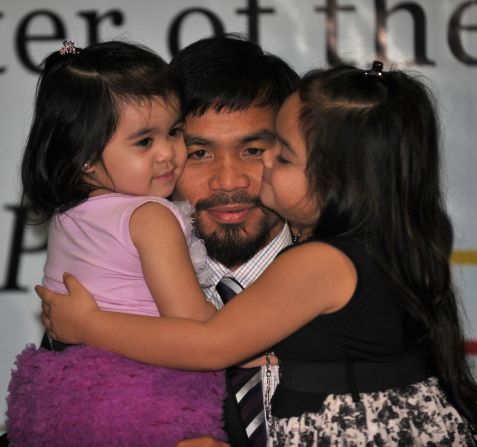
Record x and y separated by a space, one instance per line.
77 110
374 164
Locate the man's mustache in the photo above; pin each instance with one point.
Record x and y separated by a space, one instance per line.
237 198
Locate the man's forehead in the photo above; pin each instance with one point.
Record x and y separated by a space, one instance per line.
213 114
233 129
239 123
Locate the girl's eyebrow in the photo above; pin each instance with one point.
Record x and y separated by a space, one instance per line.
147 130
285 143
141 132
178 122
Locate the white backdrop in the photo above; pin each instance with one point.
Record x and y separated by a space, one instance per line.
436 37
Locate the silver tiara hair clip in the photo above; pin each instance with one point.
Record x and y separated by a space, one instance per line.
376 69
68 48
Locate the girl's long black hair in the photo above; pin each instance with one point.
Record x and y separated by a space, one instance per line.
77 109
374 163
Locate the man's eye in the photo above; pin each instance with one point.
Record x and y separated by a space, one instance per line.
199 154
144 142
254 152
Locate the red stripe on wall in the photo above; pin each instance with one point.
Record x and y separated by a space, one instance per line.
471 347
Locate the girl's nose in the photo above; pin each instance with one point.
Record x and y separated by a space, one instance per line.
269 155
165 153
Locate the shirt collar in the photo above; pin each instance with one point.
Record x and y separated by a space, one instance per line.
254 267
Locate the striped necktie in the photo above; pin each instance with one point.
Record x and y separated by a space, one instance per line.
246 382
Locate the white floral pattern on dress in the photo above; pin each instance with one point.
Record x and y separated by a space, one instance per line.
414 415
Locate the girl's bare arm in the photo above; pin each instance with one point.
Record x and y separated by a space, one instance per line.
301 284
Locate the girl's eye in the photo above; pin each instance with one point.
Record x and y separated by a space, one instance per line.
176 132
144 142
281 160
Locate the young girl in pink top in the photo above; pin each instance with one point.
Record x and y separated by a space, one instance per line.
104 152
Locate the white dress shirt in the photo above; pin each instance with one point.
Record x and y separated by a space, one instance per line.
246 274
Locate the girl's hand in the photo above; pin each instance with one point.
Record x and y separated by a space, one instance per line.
65 317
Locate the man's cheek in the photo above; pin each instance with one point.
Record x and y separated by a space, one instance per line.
183 193
205 223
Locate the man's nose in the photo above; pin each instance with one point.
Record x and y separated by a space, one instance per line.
229 175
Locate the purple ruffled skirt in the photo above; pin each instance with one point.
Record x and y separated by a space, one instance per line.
93 398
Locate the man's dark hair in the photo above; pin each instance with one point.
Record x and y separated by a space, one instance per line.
232 73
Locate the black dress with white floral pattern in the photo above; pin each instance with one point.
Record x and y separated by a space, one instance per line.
372 328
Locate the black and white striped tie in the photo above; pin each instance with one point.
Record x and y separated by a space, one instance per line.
246 382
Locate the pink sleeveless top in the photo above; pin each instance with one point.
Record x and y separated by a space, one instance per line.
92 242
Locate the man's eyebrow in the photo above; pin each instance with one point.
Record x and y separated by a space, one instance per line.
265 134
196 140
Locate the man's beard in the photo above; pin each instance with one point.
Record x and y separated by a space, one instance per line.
230 244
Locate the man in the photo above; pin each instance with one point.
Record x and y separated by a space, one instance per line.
231 93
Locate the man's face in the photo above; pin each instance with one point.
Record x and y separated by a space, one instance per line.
222 179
